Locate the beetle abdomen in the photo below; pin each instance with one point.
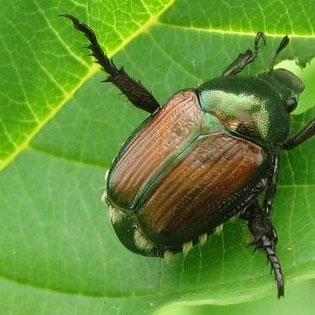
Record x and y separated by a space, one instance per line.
196 193
152 146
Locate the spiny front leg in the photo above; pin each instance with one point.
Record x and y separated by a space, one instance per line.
137 94
246 58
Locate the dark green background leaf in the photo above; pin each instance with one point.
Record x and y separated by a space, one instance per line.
60 128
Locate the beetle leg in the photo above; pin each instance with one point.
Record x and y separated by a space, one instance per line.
303 135
137 94
265 239
271 183
244 59
283 44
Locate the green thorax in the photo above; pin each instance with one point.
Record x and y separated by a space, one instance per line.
248 106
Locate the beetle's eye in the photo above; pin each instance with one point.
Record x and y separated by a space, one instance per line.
292 104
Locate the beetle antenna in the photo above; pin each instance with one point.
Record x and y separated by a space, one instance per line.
284 42
267 245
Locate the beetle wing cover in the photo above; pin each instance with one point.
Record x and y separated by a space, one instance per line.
152 146
213 175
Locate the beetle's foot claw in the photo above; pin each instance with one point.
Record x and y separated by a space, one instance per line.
267 243
74 20
259 36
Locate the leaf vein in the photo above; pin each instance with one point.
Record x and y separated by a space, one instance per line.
62 42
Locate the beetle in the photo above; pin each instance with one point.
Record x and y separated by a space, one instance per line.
203 157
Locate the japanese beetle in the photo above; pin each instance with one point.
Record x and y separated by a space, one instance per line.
202 158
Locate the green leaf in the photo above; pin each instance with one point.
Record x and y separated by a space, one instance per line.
299 300
60 128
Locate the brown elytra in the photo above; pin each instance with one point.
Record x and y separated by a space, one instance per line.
158 141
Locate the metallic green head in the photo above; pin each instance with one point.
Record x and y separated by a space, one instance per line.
288 85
